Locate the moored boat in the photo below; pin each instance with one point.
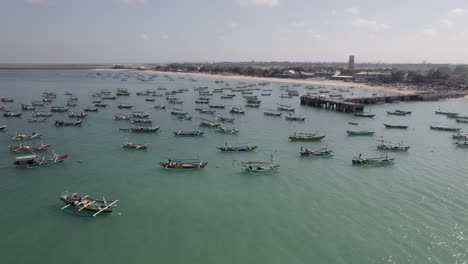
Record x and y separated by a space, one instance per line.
227 147
27 148
443 128
144 129
183 164
225 119
360 133
290 117
399 112
396 126
271 113
225 130
184 133
368 115
318 153
392 147
12 114
68 123
35 160
20 136
124 106
121 117
305 137
86 203
379 161
77 114
58 109
130 145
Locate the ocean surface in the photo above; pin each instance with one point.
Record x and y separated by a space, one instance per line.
311 211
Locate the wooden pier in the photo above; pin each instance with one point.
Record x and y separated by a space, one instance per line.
350 105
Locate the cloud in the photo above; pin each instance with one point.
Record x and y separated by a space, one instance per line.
36 2
134 2
268 3
353 10
165 36
429 32
232 25
144 36
333 12
458 11
445 23
221 37
370 24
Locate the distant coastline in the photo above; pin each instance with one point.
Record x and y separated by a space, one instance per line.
54 66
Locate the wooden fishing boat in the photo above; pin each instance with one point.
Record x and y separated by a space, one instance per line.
235 110
217 106
459 135
90 109
265 94
205 111
122 92
209 123
227 96
379 161
121 117
142 121
290 117
77 114
26 148
108 97
150 99
442 128
36 161
140 115
227 147
225 119
462 143
305 137
12 114
143 129
199 101
462 120
37 103
86 203
130 145
183 133
396 126
286 108
439 112
317 153
176 111
260 167
42 114
360 133
2 127
58 109
183 164
124 106
100 105
368 115
25 107
392 147
7 100
253 105
270 113
184 117
20 136
399 112
225 130
159 107
68 123
353 123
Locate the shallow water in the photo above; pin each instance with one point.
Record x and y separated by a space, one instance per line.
312 211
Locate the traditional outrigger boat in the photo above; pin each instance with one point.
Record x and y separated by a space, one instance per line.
235 110
209 123
305 137
379 161
271 113
124 106
442 128
183 164
225 119
227 96
140 115
20 136
353 123
12 114
396 126
26 148
227 147
177 112
142 121
184 117
58 109
42 114
130 145
368 115
399 112
77 114
26 107
90 109
360 133
218 106
205 111
252 105
290 117
286 108
150 99
7 100
121 117
122 92
35 160
96 206
144 129
108 97
100 105
68 123
462 143
439 112
391 147
260 167
184 133
159 107
225 130
317 153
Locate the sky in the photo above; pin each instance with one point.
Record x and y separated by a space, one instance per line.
161 31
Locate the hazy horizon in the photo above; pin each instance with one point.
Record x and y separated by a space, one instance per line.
151 31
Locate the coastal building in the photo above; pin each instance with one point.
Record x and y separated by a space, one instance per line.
370 76
326 74
351 63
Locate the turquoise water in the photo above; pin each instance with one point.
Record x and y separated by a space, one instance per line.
312 211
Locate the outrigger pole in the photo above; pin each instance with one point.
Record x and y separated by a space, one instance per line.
94 215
